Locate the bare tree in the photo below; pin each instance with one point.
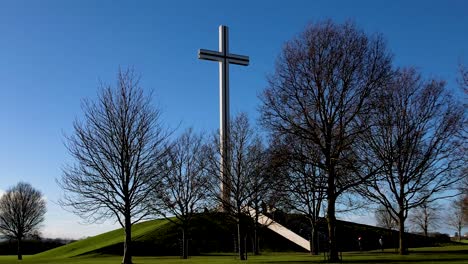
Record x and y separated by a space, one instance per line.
119 149
182 190
465 209
455 218
261 191
463 78
323 82
22 210
414 123
384 218
463 82
247 161
425 217
303 184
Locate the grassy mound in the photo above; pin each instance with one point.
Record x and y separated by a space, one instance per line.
216 233
209 233
94 244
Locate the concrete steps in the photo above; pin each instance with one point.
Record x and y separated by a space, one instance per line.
281 230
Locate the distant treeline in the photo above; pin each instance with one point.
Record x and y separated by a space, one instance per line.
31 246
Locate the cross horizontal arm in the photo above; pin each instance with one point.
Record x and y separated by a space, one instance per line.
210 55
219 56
238 59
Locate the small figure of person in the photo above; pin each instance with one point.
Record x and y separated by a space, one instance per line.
381 243
360 243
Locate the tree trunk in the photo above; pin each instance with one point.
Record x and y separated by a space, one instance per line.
402 249
184 244
255 239
459 233
240 241
127 257
331 219
313 239
20 255
256 243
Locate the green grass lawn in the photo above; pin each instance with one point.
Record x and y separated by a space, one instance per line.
448 254
91 244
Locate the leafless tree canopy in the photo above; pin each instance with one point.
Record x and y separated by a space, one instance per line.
247 160
302 183
463 82
182 191
263 188
413 138
463 78
465 209
323 82
455 218
22 210
384 218
426 217
118 150
245 171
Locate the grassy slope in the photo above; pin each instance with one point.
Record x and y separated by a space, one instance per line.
91 244
159 237
213 233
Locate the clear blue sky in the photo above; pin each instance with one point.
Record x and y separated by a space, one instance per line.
54 53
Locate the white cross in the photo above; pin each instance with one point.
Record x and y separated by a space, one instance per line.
224 58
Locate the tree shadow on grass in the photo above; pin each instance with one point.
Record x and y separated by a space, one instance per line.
428 252
414 257
424 260
376 261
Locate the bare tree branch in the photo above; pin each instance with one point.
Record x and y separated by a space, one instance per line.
455 219
247 181
119 149
182 190
385 218
22 210
302 184
426 217
413 137
323 83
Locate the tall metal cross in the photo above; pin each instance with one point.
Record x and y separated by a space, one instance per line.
224 58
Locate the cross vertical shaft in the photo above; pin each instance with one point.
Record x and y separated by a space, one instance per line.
224 58
224 117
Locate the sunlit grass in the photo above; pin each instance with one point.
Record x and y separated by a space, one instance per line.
91 244
450 254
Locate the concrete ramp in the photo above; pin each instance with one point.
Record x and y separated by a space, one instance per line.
281 230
